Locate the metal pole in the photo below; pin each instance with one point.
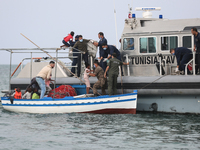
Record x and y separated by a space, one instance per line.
128 67
31 67
56 70
91 63
10 72
160 66
115 24
193 65
81 66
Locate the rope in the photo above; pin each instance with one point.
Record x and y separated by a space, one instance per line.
152 82
55 59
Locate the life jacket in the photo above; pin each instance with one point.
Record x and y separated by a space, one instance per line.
18 95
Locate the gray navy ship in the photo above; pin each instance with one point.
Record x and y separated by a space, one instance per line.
145 44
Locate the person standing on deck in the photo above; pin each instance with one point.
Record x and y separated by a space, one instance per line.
183 56
196 48
113 67
81 45
75 54
42 75
67 39
101 80
102 55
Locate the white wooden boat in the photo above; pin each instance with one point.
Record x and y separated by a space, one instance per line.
116 104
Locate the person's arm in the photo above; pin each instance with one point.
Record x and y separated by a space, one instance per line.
106 71
178 60
92 74
125 63
48 75
24 95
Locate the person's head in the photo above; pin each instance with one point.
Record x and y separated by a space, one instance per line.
29 90
18 89
194 31
72 33
80 38
87 65
35 90
100 35
172 51
76 37
96 63
104 46
52 64
114 55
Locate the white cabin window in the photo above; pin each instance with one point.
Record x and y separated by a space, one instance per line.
128 44
169 42
148 45
187 41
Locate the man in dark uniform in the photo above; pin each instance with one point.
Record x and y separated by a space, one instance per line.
102 55
110 49
113 67
183 56
82 46
75 54
99 73
196 47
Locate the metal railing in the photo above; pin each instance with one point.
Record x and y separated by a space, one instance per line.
36 50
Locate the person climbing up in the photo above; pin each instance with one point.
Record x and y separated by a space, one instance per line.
67 39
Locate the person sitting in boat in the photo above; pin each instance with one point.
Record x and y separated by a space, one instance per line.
42 75
67 39
113 67
86 77
183 56
27 94
35 94
17 94
99 73
81 45
33 84
102 55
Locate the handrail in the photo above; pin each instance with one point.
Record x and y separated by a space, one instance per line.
193 68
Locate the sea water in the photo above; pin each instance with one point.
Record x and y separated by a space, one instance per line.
146 131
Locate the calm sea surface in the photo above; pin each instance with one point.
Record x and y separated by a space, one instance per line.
148 131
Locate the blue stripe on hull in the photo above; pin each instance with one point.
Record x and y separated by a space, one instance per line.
93 103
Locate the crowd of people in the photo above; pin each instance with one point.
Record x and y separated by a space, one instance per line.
107 65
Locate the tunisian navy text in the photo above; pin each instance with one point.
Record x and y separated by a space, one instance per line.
151 60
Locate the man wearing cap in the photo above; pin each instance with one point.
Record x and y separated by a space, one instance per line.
67 39
102 55
113 67
42 75
99 73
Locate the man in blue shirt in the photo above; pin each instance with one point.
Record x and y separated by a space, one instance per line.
196 47
183 56
102 55
110 49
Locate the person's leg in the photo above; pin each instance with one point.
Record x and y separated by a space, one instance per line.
87 90
103 87
185 59
42 86
104 65
79 65
85 57
74 64
110 84
95 86
198 61
115 84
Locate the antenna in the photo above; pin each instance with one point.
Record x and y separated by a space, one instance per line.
147 13
115 24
